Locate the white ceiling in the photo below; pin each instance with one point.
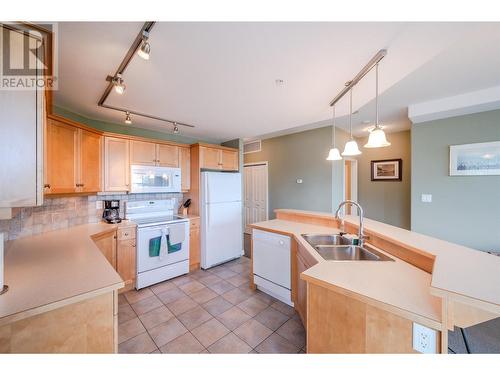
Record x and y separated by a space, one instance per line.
220 77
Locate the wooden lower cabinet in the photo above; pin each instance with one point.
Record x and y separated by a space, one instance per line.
194 244
88 326
301 261
119 248
337 323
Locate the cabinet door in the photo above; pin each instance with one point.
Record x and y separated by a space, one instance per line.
210 158
125 260
142 153
90 161
107 244
301 302
185 164
62 155
116 164
194 248
167 156
229 160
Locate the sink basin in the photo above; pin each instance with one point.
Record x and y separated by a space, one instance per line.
338 248
326 239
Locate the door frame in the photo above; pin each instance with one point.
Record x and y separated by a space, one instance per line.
266 164
354 182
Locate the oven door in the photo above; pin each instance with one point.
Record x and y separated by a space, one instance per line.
151 179
147 247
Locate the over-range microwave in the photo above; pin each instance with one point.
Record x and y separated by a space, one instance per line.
150 179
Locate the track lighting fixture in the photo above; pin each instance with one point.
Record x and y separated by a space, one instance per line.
145 48
118 84
128 119
176 128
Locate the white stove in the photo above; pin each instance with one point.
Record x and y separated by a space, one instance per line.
162 241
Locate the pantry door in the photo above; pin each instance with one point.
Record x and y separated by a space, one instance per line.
255 193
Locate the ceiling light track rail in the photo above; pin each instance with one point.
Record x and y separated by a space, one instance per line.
142 36
364 71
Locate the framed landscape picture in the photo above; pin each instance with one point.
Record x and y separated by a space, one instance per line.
475 159
387 170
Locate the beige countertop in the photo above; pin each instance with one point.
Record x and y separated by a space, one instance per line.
396 284
54 269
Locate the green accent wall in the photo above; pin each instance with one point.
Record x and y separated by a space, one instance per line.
386 201
464 209
301 156
126 129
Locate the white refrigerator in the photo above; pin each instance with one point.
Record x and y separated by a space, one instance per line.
221 218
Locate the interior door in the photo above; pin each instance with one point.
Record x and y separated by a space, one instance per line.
90 161
62 155
142 153
168 156
255 194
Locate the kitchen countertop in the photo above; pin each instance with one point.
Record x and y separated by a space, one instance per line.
54 269
396 284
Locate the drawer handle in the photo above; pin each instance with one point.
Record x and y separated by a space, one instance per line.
125 234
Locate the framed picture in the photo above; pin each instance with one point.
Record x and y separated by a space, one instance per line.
387 170
475 159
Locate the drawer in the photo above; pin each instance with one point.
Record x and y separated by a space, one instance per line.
126 233
194 223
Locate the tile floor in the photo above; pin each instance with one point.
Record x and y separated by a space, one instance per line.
211 311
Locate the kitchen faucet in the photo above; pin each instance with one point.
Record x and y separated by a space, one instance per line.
361 235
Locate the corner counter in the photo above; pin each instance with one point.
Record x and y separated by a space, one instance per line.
51 277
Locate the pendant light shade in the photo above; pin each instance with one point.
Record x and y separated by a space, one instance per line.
351 147
377 135
377 138
334 153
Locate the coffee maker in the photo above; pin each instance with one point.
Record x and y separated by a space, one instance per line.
111 213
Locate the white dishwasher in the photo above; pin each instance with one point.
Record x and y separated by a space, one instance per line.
271 264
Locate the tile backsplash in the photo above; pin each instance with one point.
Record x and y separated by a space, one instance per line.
59 213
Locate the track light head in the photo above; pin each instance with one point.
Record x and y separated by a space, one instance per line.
128 119
145 48
118 83
176 128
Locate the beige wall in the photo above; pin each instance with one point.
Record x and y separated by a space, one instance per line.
386 201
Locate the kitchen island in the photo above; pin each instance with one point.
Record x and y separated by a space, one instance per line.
370 306
62 294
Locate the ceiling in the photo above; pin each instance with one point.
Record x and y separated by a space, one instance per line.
221 77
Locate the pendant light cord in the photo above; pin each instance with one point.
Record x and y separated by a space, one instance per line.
333 125
350 112
376 97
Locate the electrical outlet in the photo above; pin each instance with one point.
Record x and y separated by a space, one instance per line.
427 198
98 205
424 339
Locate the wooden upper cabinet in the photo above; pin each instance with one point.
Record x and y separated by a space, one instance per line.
222 159
90 161
229 160
210 158
167 155
116 164
142 153
185 165
61 163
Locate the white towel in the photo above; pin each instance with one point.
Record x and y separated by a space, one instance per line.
176 233
163 243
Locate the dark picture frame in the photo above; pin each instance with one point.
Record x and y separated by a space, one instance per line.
387 170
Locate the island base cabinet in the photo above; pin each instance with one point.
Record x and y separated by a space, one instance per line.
82 327
340 324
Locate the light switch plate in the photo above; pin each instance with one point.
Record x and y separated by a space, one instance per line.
424 339
427 198
299 180
98 205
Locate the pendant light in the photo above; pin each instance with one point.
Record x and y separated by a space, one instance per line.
334 153
351 147
377 135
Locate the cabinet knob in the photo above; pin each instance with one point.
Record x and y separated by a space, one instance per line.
125 234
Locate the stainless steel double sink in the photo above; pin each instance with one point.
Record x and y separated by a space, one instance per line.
340 248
